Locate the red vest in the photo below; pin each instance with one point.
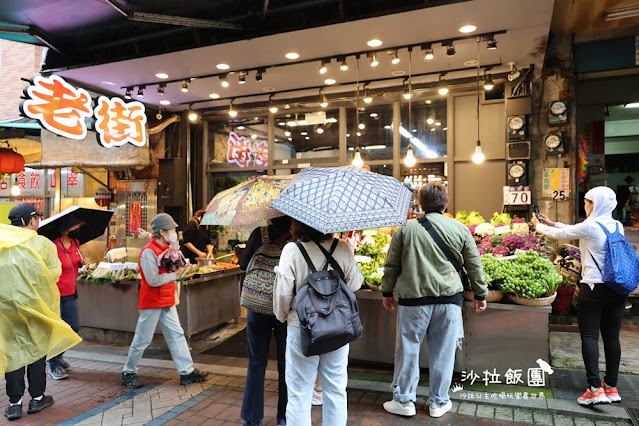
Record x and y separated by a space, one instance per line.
155 297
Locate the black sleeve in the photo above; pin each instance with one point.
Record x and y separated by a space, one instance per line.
254 242
190 233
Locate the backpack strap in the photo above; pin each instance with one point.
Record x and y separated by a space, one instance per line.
264 233
309 262
594 260
606 230
330 259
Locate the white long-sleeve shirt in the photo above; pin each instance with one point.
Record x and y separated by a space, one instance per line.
293 270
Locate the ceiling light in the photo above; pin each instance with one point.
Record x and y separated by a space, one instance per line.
450 50
320 130
632 105
127 95
432 129
407 93
185 85
344 66
161 89
240 127
438 123
443 90
287 133
430 121
329 81
478 156
621 13
232 112
514 72
253 136
323 68
492 44
373 114
445 128
374 42
357 159
428 51
273 109
410 160
308 138
367 97
214 96
108 83
488 83
258 74
414 130
165 102
359 133
292 55
224 80
223 66
281 123
324 102
242 78
361 126
374 61
348 135
374 147
395 59
388 126
428 101
287 106
467 29
192 116
141 91
304 133
291 123
162 75
331 120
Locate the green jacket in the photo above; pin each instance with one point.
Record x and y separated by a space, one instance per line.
416 267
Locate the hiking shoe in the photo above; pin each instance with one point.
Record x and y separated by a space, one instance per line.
13 412
318 398
611 393
130 380
438 410
196 376
37 406
396 407
597 397
58 374
64 363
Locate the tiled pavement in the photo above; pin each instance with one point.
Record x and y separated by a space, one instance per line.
93 395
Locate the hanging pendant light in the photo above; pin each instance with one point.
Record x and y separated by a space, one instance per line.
357 159
478 156
15 189
410 159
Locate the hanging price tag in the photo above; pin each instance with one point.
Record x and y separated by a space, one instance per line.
516 195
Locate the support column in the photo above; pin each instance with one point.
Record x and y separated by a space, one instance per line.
397 141
204 158
271 143
189 184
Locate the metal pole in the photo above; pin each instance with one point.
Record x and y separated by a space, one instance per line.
205 163
397 141
271 143
342 136
58 189
189 185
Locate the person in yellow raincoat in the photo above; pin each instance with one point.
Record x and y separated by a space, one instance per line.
31 329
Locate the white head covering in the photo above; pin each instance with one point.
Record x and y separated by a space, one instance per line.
604 201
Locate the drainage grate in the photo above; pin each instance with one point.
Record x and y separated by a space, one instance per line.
634 415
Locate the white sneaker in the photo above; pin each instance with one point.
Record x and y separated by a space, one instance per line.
396 407
438 410
318 398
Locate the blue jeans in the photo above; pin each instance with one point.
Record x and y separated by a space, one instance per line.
444 329
70 313
301 372
258 335
173 334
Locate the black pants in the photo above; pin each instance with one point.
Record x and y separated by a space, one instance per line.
600 309
36 374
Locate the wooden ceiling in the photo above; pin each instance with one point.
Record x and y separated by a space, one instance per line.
583 16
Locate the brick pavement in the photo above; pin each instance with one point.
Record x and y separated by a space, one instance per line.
93 396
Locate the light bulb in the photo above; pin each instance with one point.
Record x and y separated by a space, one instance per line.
430 121
287 133
357 159
322 68
368 99
361 126
253 136
488 84
410 160
15 190
478 156
232 113
273 109
442 90
407 95
192 116
374 61
395 59
320 130
344 66
428 54
225 83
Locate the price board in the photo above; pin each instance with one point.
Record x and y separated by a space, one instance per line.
556 184
516 195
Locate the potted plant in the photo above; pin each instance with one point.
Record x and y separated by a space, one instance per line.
566 289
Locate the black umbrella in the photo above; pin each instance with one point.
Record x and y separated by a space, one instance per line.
95 223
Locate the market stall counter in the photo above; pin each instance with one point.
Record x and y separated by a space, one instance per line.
206 301
505 336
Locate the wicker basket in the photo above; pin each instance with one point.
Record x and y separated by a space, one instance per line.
492 296
538 301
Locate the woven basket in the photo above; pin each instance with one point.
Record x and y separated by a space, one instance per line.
492 296
538 301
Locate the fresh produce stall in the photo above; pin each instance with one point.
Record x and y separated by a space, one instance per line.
520 275
108 300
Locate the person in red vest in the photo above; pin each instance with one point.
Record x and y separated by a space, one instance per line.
157 300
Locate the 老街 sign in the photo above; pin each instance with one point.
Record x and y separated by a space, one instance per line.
63 109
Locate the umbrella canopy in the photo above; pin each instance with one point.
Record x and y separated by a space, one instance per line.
247 202
336 199
95 223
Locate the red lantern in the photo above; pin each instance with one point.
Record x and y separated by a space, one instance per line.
10 161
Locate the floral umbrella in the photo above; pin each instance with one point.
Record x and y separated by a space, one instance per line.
247 202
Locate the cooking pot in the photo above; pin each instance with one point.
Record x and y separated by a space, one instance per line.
205 261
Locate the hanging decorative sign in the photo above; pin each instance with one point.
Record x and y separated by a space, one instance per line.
102 197
556 184
62 109
242 151
135 217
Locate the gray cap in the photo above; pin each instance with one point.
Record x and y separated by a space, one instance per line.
163 222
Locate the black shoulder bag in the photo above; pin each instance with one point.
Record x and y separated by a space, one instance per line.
446 250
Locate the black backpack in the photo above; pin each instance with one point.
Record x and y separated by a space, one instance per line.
326 307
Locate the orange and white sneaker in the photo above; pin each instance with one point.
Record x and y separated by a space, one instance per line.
596 397
611 393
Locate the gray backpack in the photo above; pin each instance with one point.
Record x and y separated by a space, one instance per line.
326 307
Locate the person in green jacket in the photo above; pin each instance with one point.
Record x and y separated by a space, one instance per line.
429 290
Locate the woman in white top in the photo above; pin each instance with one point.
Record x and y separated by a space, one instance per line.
599 307
300 369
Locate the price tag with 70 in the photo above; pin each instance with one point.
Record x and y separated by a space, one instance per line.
516 196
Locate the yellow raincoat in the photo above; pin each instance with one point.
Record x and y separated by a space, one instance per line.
30 323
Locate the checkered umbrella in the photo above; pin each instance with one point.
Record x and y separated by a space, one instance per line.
337 199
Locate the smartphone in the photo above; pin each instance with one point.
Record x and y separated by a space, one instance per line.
536 211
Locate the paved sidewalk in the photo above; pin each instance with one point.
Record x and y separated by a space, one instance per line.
93 396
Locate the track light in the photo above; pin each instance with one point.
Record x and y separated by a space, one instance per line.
428 51
514 72
374 61
224 80
242 78
193 116
450 49
185 85
272 107
127 95
259 74
344 66
488 82
443 89
324 103
407 93
323 68
395 59
232 112
492 43
141 91
410 160
161 89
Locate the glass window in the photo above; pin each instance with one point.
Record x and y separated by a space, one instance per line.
374 135
428 127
